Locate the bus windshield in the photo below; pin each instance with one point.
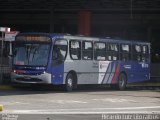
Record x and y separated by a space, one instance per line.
31 54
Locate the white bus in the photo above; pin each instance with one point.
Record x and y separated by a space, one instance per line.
43 58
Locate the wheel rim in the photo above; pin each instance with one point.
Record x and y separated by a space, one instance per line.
69 83
121 82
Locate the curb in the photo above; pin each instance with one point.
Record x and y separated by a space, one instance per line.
145 84
6 87
1 108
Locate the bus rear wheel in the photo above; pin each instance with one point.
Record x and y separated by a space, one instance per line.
69 83
122 81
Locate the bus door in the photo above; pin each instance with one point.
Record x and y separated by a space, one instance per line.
58 57
145 63
141 66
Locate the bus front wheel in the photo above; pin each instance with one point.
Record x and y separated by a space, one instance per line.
69 83
122 81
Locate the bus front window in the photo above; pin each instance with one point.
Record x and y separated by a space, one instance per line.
31 54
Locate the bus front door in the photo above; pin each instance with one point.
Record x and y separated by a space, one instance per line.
58 57
57 73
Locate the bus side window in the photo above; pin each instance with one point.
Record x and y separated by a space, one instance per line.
112 51
87 50
99 51
75 49
137 50
125 53
145 53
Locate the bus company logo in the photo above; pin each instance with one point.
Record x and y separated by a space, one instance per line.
127 66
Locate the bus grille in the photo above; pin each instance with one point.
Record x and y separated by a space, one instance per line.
29 80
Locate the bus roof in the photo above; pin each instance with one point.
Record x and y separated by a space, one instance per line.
124 41
61 35
80 37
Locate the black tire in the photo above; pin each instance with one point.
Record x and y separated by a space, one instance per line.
69 85
122 81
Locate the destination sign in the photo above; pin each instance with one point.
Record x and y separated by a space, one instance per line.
31 38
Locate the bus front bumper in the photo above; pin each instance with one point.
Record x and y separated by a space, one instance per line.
42 78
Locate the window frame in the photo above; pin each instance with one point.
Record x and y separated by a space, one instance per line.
125 55
83 49
112 52
94 51
136 54
70 49
57 61
145 54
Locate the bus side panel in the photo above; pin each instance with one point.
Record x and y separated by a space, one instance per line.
127 68
134 71
112 72
141 72
70 65
57 74
104 68
115 68
107 77
86 70
89 73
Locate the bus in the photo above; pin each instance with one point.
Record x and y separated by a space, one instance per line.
63 59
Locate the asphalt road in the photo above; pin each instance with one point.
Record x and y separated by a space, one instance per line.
81 104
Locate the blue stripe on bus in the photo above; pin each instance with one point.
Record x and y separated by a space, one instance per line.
57 74
134 71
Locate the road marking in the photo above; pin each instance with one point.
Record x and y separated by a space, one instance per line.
67 101
14 103
72 112
114 100
87 110
64 101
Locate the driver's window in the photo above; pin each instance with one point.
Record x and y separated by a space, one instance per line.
59 51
